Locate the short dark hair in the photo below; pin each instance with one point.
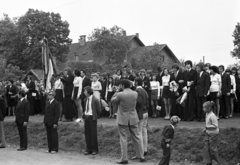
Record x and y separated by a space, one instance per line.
84 72
228 70
125 83
77 72
207 65
188 62
214 68
89 90
139 81
234 68
221 66
11 81
22 93
175 66
201 66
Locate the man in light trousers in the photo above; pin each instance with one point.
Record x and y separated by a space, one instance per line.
127 119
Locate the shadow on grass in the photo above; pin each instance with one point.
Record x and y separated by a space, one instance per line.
188 143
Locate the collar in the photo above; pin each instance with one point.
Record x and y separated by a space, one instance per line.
201 72
22 99
139 87
172 126
51 101
90 97
189 69
209 113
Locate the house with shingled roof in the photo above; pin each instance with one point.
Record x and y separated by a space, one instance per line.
81 52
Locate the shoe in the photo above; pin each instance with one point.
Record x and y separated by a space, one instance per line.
142 160
122 162
94 153
87 153
2 146
145 153
48 151
134 158
209 164
21 149
53 152
77 120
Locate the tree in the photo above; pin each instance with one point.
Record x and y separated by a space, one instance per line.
110 43
236 41
30 30
12 72
150 59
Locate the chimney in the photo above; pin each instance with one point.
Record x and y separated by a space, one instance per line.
124 33
137 34
82 40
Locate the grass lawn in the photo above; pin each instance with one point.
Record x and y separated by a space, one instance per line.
188 143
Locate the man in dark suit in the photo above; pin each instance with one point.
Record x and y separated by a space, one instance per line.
190 80
51 122
202 88
31 94
22 115
177 109
92 112
2 116
226 89
142 110
127 119
85 82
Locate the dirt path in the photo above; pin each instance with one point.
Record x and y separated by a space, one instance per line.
10 156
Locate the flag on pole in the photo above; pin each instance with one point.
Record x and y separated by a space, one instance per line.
48 66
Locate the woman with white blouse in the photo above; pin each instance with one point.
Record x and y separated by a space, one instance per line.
155 94
58 87
77 91
232 73
166 93
215 88
96 86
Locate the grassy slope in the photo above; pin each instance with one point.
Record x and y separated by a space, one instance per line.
188 143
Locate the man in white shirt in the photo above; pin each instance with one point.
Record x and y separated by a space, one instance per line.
91 114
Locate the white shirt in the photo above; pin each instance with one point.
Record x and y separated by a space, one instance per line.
166 80
58 84
172 126
216 81
90 107
110 88
201 73
212 121
22 99
96 86
233 83
77 82
155 85
51 101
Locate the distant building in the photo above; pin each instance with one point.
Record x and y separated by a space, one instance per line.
81 52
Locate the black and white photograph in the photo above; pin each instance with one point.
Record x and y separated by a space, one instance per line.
105 82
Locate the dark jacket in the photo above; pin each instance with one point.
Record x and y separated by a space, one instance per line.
237 84
168 133
52 113
142 102
14 91
226 83
159 77
68 85
176 79
146 84
190 76
31 89
2 109
104 87
96 107
86 82
22 111
203 84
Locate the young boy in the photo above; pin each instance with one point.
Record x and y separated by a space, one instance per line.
211 131
168 135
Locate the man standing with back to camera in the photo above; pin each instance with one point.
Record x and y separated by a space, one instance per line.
127 119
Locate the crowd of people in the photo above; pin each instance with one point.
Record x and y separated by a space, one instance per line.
131 97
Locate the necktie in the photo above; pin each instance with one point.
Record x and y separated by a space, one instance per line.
87 108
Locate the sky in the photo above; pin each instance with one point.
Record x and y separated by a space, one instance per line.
191 28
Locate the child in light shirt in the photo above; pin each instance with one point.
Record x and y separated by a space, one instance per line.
211 131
